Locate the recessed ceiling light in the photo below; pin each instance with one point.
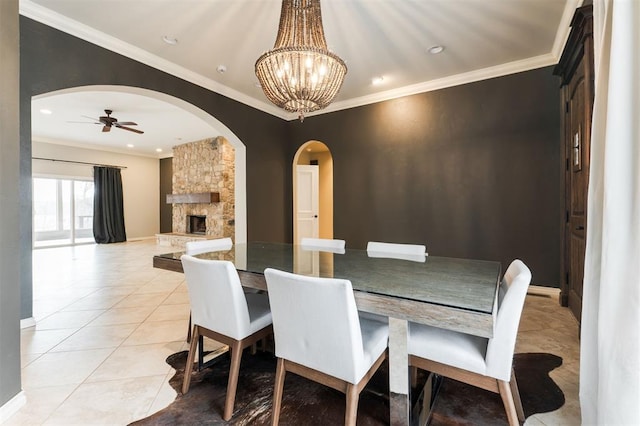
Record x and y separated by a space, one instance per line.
170 40
129 145
158 149
221 69
434 50
46 111
377 80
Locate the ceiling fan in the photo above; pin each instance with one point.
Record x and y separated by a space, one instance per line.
107 122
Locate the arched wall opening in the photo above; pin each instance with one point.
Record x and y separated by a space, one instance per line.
315 153
218 129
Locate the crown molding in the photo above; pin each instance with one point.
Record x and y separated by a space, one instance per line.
442 83
84 32
55 20
565 27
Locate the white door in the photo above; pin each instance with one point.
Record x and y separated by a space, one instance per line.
306 202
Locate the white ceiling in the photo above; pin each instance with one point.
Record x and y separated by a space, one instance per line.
75 114
387 38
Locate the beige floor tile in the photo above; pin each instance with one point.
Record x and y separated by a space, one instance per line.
533 421
68 319
62 368
135 300
107 336
94 302
40 341
116 291
158 287
26 358
177 298
158 332
41 402
128 362
123 316
115 402
170 312
166 395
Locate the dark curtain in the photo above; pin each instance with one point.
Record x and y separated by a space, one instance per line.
108 210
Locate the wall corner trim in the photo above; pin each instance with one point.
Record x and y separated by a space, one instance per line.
26 323
12 406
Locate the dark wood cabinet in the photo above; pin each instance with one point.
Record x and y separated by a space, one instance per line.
575 68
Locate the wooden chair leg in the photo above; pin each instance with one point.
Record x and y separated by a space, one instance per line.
192 351
351 412
413 376
277 392
189 330
507 400
234 370
200 340
516 396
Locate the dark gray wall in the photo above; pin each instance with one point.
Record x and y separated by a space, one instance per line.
166 187
470 171
52 60
9 203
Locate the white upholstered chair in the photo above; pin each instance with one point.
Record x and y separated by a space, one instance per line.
482 362
318 335
323 244
202 246
414 252
221 311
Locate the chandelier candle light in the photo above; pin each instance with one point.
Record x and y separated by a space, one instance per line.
300 74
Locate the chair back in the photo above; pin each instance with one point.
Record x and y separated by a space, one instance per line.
216 296
511 295
414 252
202 246
323 244
315 323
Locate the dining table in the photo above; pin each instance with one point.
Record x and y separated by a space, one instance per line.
451 293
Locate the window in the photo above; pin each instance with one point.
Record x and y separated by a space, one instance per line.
62 212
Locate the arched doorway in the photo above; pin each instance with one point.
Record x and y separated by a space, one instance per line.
312 155
218 129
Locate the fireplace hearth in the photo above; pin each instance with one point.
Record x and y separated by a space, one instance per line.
196 224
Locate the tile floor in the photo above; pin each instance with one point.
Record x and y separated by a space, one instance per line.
106 320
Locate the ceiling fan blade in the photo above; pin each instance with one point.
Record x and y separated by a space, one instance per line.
106 129
129 129
126 123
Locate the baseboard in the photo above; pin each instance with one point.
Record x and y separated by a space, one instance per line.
12 406
27 322
132 240
538 290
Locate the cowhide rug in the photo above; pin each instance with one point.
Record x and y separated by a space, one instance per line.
308 403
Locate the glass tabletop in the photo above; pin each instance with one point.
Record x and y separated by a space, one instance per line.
460 283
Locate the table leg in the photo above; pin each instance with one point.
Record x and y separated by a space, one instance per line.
399 403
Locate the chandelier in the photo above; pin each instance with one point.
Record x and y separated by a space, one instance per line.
299 74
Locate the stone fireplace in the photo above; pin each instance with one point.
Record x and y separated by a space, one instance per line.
203 192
